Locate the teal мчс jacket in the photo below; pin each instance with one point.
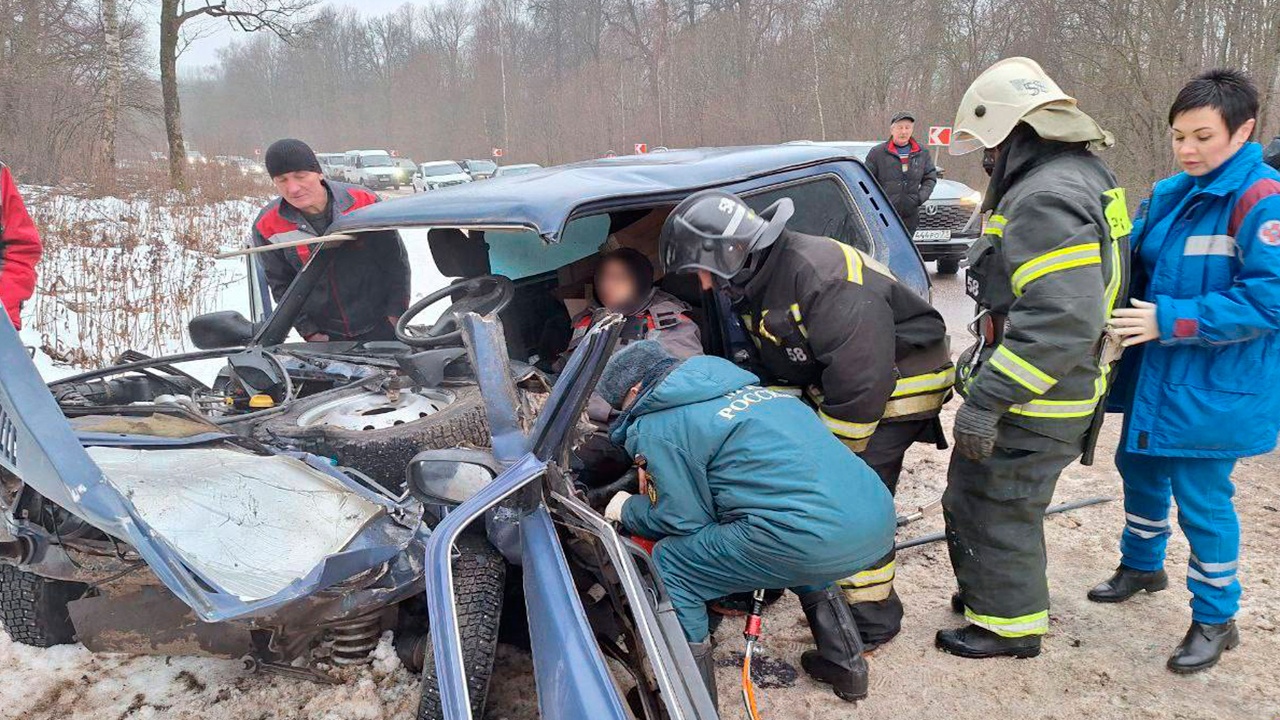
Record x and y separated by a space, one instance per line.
1210 387
721 449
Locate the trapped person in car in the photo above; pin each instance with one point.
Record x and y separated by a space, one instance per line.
20 249
832 324
904 168
367 284
745 490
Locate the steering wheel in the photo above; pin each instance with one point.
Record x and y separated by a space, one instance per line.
485 294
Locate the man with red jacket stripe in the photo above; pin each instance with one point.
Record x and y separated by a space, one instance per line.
20 249
367 284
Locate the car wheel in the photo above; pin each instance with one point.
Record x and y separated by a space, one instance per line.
364 430
33 609
479 573
948 266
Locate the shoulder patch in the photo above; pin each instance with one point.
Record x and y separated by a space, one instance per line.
1256 193
1269 233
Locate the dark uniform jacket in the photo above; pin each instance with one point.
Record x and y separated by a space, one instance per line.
367 282
1050 267
907 190
864 347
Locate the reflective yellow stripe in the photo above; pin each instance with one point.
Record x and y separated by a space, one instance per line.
995 226
925 383
852 262
1117 213
792 390
916 404
856 446
875 593
1113 283
1021 371
846 429
1033 624
1064 408
765 333
872 576
1063 259
795 315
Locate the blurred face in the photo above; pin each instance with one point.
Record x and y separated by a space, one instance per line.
303 190
615 288
1201 141
901 131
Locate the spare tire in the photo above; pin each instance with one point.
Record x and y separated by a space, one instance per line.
362 429
33 609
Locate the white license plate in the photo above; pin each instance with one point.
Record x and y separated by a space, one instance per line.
933 235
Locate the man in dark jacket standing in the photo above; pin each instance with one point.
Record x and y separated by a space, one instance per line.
1046 274
744 490
20 249
832 325
367 288
904 169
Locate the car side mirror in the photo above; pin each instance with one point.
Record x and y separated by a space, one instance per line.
450 476
225 328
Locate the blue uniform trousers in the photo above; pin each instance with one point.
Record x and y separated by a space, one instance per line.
1203 490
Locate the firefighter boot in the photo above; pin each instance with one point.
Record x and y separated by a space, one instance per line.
838 660
1127 582
705 660
972 641
1202 646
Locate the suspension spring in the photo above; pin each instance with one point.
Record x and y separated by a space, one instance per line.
354 639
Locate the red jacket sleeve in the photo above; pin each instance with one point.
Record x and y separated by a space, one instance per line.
20 249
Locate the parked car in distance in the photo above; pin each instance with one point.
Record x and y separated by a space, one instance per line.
479 169
374 169
331 164
950 220
520 169
405 168
437 174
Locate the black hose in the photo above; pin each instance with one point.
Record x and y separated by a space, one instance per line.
1059 508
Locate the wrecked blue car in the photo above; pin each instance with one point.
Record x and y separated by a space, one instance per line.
308 497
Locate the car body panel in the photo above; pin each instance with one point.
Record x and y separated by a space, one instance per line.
38 445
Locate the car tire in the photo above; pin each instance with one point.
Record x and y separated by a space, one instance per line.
948 266
479 575
383 454
33 609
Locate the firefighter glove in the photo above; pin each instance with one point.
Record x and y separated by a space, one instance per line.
614 510
975 431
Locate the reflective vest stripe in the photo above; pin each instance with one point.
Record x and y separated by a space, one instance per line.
1223 245
870 585
995 226
1065 258
916 404
792 390
852 262
1113 283
765 333
1033 624
1064 408
846 429
795 315
1021 371
940 380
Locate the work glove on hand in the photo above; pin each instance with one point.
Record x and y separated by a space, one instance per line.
613 511
975 431
628 482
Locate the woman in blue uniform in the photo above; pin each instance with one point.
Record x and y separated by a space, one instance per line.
1200 383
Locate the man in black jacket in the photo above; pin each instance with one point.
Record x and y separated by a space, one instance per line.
832 325
367 288
905 170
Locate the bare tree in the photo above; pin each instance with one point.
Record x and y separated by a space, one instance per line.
281 18
113 86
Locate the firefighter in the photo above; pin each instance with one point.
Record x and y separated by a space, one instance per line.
1046 274
833 325
740 494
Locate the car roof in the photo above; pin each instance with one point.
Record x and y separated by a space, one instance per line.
439 162
543 200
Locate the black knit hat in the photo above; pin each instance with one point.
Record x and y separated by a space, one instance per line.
290 155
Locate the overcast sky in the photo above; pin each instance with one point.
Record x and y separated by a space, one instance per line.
205 50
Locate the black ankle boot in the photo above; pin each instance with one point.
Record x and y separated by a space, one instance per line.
972 641
1127 582
838 660
1202 646
704 658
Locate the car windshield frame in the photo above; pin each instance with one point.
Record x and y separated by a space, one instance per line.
370 161
428 169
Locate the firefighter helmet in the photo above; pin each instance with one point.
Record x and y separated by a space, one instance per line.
715 231
998 100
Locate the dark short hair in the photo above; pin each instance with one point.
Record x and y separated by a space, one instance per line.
1228 91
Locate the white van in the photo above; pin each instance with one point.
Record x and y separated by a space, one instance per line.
374 169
